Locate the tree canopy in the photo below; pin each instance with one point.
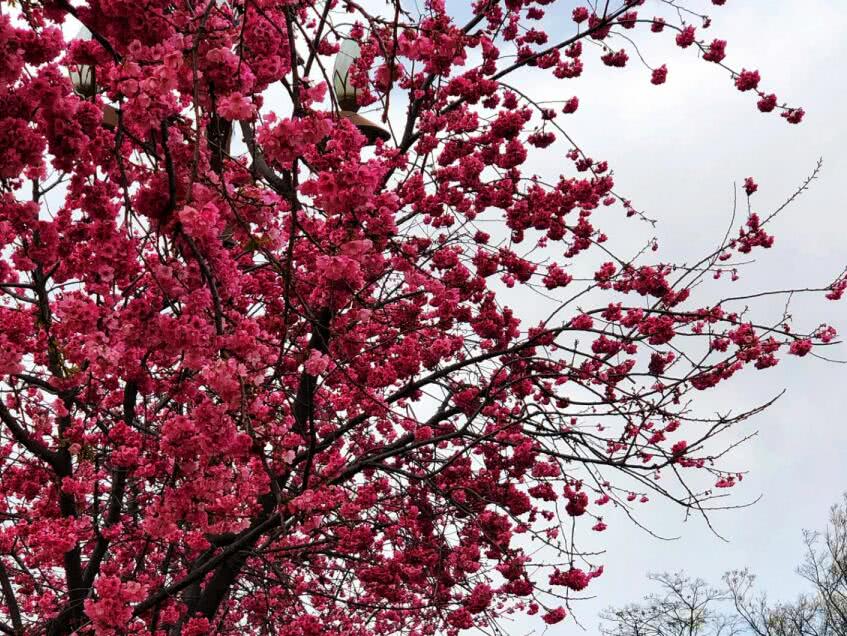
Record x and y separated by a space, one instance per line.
270 365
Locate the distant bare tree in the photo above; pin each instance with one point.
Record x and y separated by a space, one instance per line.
820 612
761 618
690 607
825 567
682 607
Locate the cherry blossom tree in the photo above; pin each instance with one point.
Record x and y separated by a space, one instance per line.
272 366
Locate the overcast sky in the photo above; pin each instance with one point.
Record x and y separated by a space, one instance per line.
676 151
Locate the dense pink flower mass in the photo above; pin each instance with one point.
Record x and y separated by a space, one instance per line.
264 372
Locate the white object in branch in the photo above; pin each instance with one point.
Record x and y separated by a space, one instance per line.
82 75
345 92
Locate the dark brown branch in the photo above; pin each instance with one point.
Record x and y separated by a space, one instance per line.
11 601
280 185
116 496
23 438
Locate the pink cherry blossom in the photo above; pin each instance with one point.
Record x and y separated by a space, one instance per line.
270 367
